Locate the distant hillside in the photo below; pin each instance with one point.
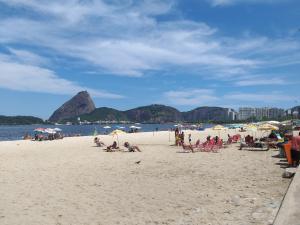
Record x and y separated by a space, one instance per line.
206 114
83 106
296 108
154 114
103 114
20 120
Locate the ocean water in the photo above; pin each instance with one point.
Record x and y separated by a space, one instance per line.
17 132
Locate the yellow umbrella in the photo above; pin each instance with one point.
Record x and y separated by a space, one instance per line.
218 127
267 127
117 132
251 127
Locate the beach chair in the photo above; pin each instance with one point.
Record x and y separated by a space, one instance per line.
288 152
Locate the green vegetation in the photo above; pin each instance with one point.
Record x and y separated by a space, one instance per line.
20 120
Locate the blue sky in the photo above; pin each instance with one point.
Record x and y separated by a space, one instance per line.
128 53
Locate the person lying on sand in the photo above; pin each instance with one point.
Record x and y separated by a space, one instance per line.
112 147
131 148
98 142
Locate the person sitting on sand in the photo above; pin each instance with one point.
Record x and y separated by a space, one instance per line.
229 141
112 147
98 142
208 138
131 148
216 139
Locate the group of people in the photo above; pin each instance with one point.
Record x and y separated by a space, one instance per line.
114 146
179 137
43 137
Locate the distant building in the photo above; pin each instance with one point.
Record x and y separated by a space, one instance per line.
232 115
276 113
260 113
246 113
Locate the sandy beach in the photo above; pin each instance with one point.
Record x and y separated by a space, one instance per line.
72 182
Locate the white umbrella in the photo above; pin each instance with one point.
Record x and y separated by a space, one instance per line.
57 129
273 122
50 131
133 127
107 127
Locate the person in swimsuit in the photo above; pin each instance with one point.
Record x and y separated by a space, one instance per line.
132 148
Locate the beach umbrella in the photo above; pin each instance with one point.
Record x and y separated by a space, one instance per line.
50 131
107 127
57 129
267 127
116 133
252 127
39 130
120 127
138 128
273 122
219 127
132 127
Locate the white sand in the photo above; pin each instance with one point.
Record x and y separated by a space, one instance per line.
71 182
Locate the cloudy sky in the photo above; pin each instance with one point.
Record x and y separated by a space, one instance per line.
128 53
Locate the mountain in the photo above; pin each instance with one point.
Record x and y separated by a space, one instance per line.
154 114
206 113
102 114
83 106
296 108
20 120
79 105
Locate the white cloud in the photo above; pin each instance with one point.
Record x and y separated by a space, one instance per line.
254 81
262 98
15 75
232 2
125 38
27 57
191 97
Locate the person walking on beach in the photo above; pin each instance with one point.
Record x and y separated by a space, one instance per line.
177 136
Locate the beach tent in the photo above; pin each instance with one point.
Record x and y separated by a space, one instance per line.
267 127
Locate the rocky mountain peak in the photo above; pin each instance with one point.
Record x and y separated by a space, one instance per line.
80 104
